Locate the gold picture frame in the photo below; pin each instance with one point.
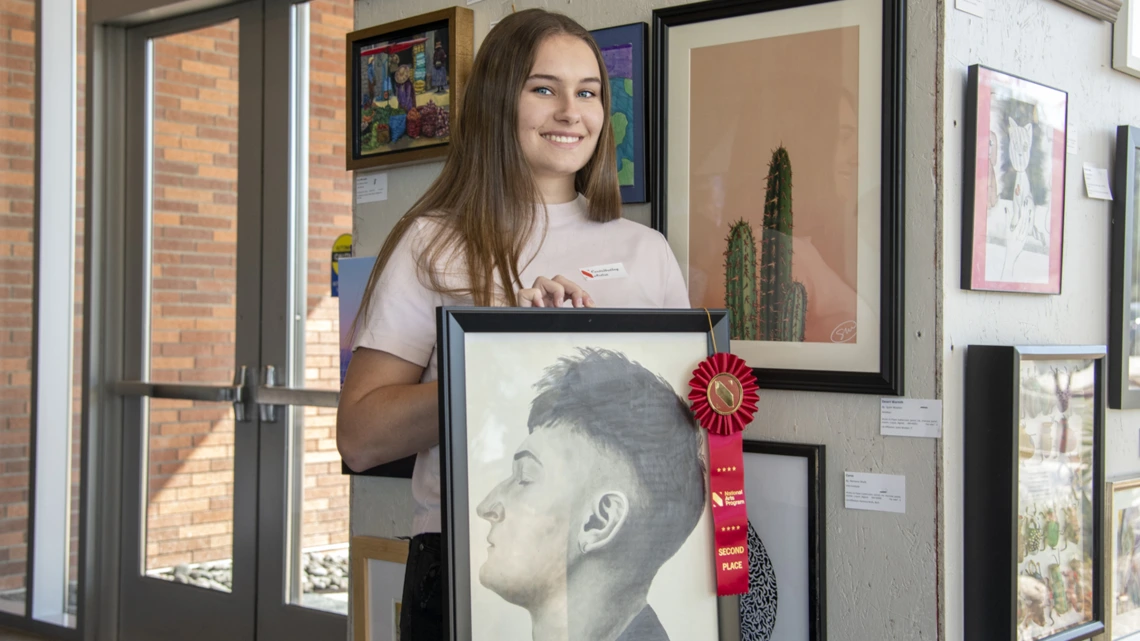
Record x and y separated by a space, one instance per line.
405 79
368 622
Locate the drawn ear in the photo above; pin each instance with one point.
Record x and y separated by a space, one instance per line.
608 513
1012 124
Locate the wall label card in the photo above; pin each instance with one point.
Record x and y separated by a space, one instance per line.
910 417
878 492
1096 182
371 188
975 7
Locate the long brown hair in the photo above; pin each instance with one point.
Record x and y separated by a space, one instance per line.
485 197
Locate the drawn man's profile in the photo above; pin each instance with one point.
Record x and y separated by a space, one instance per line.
603 491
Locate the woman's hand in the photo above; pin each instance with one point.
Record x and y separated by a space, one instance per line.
548 292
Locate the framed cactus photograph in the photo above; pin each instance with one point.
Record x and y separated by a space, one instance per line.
1034 493
779 181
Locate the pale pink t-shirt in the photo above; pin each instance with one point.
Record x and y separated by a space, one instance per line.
402 317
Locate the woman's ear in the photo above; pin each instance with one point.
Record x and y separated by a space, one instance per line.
608 513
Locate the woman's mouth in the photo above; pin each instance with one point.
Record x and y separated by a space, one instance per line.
562 139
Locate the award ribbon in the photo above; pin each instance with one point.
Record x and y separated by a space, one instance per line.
724 395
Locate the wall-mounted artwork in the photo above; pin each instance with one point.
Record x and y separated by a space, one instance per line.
1126 39
377 587
623 49
1034 492
1123 594
1014 184
784 483
404 80
574 476
779 181
1124 277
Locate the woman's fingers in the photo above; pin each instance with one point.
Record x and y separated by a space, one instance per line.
574 291
553 292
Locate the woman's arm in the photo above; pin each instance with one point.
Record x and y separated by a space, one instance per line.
385 413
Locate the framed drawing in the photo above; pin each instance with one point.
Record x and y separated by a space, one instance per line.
1124 279
784 483
1126 39
574 477
1123 540
623 49
377 587
404 80
1034 492
778 179
1014 184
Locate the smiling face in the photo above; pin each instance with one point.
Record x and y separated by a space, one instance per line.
561 114
537 512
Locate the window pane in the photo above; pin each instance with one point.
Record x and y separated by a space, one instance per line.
189 535
17 200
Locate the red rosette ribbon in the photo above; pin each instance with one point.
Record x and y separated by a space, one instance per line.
724 398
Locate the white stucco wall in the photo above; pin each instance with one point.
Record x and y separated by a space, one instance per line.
1055 45
881 568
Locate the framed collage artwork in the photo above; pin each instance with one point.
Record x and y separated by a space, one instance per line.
1034 492
623 49
807 261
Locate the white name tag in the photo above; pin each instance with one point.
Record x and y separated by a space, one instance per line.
601 272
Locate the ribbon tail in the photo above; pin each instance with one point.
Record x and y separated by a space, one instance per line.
730 515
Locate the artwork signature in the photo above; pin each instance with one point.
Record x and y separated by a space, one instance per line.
844 332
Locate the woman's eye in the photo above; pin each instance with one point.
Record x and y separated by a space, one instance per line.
586 93
544 91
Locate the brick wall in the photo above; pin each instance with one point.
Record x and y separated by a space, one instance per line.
17 158
194 232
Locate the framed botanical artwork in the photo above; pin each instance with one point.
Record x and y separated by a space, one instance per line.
377 587
623 49
784 483
1123 539
405 78
1014 188
1034 492
1124 277
778 180
1126 39
574 477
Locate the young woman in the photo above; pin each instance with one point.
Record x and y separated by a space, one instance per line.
526 212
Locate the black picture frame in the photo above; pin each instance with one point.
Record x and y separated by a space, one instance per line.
1003 410
636 35
1124 308
886 376
987 188
455 325
816 539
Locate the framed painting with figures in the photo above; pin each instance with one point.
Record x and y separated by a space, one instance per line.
778 180
405 79
1014 183
1034 492
574 476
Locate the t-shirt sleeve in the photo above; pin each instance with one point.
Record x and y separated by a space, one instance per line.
401 315
676 294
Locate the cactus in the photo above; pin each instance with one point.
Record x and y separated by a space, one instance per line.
740 281
793 311
782 301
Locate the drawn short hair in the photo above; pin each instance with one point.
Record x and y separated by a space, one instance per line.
635 414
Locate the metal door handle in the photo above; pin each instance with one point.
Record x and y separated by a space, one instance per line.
213 393
269 396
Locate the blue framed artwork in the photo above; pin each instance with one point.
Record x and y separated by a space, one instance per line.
623 49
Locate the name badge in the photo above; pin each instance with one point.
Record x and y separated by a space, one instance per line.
602 272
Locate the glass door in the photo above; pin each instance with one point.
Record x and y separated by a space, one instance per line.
191 326
236 510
